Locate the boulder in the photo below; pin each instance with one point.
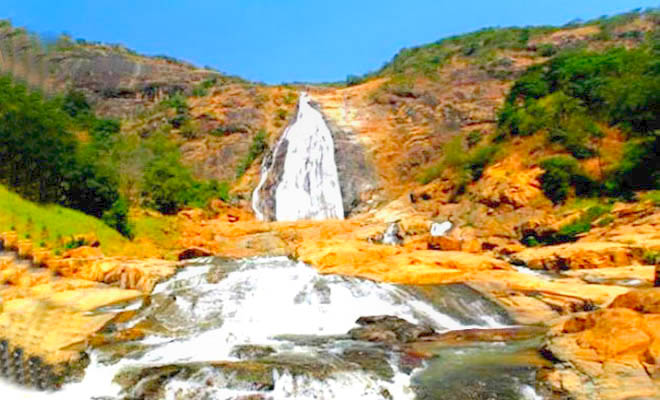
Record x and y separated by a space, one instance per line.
194 252
444 243
84 252
646 301
580 255
389 329
615 349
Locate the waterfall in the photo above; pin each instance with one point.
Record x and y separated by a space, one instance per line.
299 180
213 307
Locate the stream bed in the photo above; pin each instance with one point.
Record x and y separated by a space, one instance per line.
274 328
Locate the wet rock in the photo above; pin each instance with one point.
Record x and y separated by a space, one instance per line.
462 303
388 329
392 235
370 359
193 252
249 352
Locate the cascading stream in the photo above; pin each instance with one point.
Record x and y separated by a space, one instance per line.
212 307
308 185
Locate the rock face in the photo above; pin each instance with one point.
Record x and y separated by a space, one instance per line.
356 174
116 79
615 353
581 255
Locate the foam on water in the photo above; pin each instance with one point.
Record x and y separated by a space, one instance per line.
259 302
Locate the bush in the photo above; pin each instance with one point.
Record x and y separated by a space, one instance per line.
257 147
353 80
165 184
75 104
639 168
168 186
547 50
474 137
117 218
569 233
560 173
479 160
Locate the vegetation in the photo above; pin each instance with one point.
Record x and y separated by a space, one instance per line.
169 186
594 213
468 165
53 226
43 159
653 196
571 95
562 173
40 157
257 147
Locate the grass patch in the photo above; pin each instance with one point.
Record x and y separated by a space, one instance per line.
653 196
469 165
594 212
53 226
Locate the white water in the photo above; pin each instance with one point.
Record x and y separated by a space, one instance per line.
391 235
441 228
309 186
253 304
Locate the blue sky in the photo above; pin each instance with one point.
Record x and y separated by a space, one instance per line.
277 41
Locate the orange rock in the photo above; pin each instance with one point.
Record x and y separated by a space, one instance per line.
579 255
83 252
642 300
444 243
9 240
472 246
194 252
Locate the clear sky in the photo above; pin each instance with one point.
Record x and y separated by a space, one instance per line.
277 41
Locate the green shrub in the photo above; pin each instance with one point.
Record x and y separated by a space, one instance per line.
571 231
652 257
468 165
474 137
75 104
478 160
166 184
547 50
353 80
257 147
653 196
202 89
639 168
555 184
117 218
560 174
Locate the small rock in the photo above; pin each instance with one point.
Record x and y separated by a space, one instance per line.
251 352
388 329
392 235
441 228
444 243
194 252
84 252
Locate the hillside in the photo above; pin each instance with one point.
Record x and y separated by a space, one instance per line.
537 146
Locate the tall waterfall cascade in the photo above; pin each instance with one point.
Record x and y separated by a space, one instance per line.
307 186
